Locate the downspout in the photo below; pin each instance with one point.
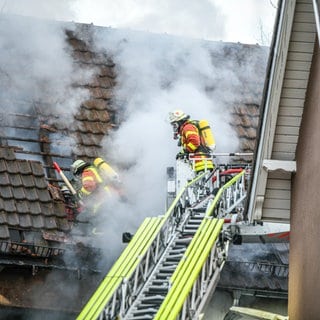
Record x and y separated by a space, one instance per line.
258 158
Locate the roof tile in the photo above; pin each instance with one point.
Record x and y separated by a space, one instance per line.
6 192
46 208
37 221
3 216
50 223
7 154
22 206
4 179
15 180
24 167
4 233
25 221
13 219
31 194
9 205
12 167
44 195
3 166
18 193
34 207
37 168
28 181
40 182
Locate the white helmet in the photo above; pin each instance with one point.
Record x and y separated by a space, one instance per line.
177 115
77 166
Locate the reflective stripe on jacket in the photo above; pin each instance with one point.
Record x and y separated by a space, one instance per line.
90 180
191 143
190 138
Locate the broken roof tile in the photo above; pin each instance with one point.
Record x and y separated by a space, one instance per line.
59 209
46 208
7 153
50 223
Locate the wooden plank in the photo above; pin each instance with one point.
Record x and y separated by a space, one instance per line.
286 138
303 47
288 121
278 184
293 93
289 102
304 27
290 130
290 111
300 36
283 155
304 7
295 83
283 204
278 194
276 215
298 65
284 147
299 56
297 75
305 17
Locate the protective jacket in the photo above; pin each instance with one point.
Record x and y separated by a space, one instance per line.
191 143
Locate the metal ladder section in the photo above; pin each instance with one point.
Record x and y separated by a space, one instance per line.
175 257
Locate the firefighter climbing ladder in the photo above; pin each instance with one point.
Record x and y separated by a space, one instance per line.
173 262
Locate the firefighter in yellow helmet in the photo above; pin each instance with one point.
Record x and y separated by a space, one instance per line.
94 190
191 141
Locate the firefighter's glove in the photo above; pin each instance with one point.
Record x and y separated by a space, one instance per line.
181 155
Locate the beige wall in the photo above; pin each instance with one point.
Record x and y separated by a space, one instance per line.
304 270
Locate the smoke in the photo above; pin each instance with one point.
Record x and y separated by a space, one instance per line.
155 75
37 69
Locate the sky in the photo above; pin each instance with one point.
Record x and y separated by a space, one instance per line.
245 21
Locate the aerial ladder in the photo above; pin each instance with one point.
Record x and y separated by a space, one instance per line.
172 264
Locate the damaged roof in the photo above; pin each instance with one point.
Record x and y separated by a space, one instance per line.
32 211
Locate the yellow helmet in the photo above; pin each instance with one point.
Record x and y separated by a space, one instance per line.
77 166
177 115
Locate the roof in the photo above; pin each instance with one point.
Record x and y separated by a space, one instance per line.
257 267
34 134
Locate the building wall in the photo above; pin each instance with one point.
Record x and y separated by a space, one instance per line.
304 260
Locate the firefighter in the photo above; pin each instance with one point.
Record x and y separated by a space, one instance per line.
193 146
93 190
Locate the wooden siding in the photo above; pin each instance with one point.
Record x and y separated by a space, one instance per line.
276 205
286 93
